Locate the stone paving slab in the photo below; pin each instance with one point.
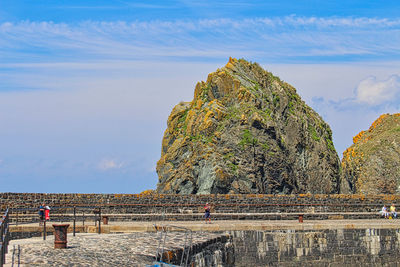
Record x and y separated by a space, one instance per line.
134 249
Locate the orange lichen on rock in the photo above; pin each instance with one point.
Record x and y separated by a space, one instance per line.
198 104
244 95
147 192
230 63
378 121
221 175
347 154
358 137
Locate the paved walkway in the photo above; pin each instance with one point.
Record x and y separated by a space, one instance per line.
134 249
135 243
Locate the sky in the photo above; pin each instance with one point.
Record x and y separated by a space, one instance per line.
86 87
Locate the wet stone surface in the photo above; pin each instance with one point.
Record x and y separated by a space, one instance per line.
133 249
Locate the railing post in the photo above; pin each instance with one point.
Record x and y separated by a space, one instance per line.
44 229
4 236
100 220
74 220
7 238
1 242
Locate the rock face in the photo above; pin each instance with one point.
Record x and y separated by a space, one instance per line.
372 164
246 131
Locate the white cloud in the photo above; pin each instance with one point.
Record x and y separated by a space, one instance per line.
374 92
332 82
109 164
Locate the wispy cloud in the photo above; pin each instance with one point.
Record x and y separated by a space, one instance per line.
109 164
283 39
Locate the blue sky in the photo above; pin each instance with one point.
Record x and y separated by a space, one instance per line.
86 86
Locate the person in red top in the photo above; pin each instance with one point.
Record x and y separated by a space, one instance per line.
47 213
207 213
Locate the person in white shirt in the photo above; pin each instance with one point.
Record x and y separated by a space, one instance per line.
384 212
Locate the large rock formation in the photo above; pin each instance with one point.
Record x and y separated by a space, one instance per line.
246 131
372 164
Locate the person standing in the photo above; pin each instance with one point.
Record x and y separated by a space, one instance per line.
41 214
47 213
207 214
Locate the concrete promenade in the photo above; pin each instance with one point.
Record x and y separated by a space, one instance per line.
135 243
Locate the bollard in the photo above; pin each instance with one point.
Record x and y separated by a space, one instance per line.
60 235
300 218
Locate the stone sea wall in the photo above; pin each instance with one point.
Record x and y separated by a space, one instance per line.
328 247
153 203
339 247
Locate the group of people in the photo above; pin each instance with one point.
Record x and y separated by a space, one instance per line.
44 212
389 214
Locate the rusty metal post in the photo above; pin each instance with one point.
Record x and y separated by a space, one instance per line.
60 235
74 220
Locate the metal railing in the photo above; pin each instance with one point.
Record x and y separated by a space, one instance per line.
164 211
61 214
187 246
164 208
4 237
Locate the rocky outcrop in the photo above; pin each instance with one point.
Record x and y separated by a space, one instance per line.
246 131
372 164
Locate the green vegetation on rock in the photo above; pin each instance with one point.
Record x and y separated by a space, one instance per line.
372 164
246 131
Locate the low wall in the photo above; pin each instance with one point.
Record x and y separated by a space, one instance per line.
145 203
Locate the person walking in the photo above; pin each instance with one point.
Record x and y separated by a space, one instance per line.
207 214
